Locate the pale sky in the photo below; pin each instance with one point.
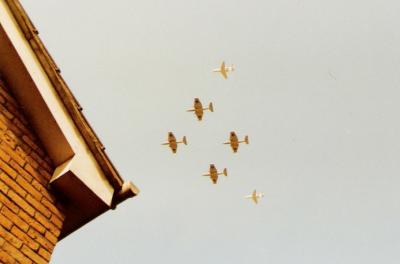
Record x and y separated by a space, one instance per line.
316 89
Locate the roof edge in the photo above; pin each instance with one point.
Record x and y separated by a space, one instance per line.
68 99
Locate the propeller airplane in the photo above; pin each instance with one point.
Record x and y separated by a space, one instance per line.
213 173
172 143
199 110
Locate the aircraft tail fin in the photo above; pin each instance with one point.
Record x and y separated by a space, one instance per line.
245 140
225 172
184 141
211 107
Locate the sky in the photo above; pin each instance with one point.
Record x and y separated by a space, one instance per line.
316 88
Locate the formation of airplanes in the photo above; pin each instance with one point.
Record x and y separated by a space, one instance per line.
234 141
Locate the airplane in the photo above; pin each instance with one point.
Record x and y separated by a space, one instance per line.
173 144
224 70
199 110
213 173
234 141
254 196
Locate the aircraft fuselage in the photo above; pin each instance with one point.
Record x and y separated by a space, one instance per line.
172 142
198 109
213 174
234 142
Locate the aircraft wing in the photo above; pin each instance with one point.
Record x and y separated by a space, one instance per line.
254 196
223 65
223 72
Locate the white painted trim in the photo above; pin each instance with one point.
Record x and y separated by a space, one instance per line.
82 163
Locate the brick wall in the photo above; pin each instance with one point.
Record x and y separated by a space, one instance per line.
30 219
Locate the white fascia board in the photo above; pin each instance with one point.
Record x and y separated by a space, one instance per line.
82 163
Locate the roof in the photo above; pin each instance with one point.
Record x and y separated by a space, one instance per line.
122 190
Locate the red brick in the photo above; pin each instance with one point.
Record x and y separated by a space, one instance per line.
5 222
25 238
32 222
7 202
12 251
15 218
5 258
35 174
3 187
44 173
37 205
21 171
14 109
56 221
13 153
52 238
33 255
24 148
29 134
9 124
3 127
4 156
38 186
41 153
30 142
11 183
41 161
21 152
48 160
21 117
33 162
10 171
30 219
53 208
44 242
6 94
5 120
45 254
21 203
10 238
47 167
28 187
9 139
19 121
47 224
6 113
